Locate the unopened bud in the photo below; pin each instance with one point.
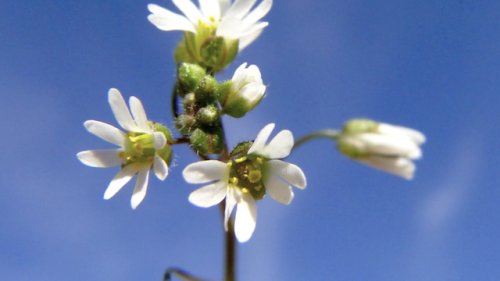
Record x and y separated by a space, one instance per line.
205 142
207 115
185 124
190 76
206 92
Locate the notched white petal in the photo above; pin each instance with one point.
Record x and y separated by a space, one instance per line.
205 171
280 146
166 20
160 168
120 110
289 172
246 218
140 189
279 190
261 139
139 114
119 181
189 10
100 158
105 131
209 195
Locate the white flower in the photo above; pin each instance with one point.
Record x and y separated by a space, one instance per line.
247 90
386 147
139 149
224 181
235 20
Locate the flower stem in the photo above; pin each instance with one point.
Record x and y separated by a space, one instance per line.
327 133
230 249
230 241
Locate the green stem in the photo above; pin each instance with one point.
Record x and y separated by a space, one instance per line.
230 241
327 133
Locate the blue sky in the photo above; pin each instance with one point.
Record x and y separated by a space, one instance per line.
430 65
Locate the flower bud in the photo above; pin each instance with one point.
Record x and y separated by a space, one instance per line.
185 124
382 146
207 141
190 76
245 93
206 92
208 115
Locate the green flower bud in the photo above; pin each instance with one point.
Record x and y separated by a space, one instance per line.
245 92
185 124
189 103
206 92
207 141
190 76
208 115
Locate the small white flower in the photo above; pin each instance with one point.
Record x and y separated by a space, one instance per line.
225 181
386 147
139 149
235 20
247 90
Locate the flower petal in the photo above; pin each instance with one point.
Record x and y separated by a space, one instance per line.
231 28
246 217
210 8
160 167
189 9
224 5
119 181
209 195
231 199
280 146
261 139
100 158
159 140
289 172
259 12
239 8
139 114
205 171
105 131
390 145
399 166
248 39
165 20
279 190
415 135
141 186
120 110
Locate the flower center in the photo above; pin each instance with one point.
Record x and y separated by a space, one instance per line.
139 147
247 173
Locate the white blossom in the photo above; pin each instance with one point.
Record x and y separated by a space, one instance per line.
235 20
247 90
280 175
140 148
382 146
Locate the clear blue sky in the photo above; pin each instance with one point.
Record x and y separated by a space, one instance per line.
431 65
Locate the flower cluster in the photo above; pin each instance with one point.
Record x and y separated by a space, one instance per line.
215 31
